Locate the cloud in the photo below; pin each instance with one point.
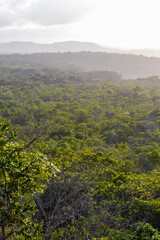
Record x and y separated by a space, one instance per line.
51 12
6 18
42 12
11 12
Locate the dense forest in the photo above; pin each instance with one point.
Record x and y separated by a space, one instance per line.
79 153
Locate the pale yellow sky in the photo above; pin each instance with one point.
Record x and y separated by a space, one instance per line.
114 23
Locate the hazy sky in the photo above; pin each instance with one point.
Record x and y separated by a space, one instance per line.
113 23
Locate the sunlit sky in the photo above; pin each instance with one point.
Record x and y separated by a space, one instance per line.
111 23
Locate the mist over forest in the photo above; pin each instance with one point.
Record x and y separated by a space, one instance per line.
81 56
79 143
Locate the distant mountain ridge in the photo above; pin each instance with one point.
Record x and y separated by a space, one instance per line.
31 47
69 46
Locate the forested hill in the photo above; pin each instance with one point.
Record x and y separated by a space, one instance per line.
82 157
129 66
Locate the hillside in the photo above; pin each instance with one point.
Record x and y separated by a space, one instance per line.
69 46
127 65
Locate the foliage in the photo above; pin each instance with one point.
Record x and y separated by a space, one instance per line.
147 232
91 170
23 171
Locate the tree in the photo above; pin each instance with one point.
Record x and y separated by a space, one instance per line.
22 174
